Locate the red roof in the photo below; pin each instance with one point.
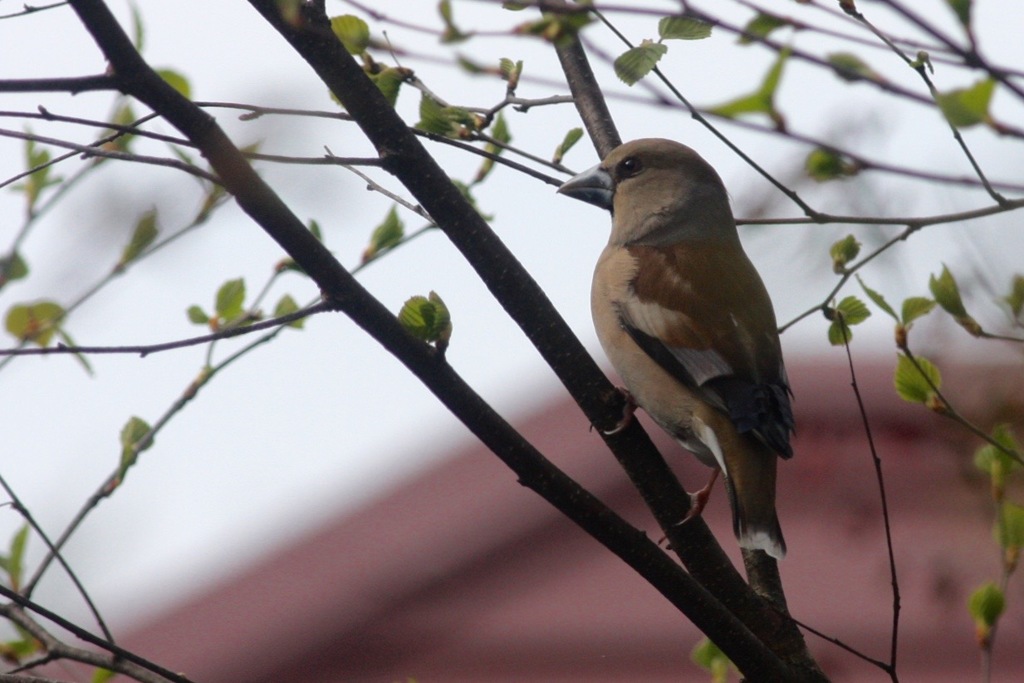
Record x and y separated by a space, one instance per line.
462 575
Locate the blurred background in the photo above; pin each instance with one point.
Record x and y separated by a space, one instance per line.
322 424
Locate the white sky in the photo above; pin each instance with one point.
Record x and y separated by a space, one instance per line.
322 419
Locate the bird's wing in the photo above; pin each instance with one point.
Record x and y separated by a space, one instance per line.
708 321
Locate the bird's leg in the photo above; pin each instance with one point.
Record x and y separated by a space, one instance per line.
699 499
628 408
697 502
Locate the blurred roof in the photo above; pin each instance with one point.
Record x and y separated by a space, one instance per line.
462 575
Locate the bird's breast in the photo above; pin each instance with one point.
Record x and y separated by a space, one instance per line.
654 389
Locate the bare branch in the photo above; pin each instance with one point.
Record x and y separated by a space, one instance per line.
144 350
92 151
69 85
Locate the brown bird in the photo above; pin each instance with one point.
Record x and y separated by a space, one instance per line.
686 321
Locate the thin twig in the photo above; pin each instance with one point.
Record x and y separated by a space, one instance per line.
886 520
921 68
840 644
67 651
143 350
945 408
92 151
27 515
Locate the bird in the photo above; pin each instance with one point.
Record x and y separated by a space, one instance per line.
688 324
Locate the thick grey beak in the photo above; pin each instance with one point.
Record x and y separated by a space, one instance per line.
593 186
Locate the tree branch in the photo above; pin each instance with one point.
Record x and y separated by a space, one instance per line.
340 289
73 85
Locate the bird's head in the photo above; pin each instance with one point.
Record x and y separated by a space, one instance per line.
659 192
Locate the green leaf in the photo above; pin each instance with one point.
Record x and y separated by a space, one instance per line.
386 235
143 235
314 227
432 119
176 80
68 341
215 196
878 299
995 461
760 26
570 139
21 649
441 120
510 72
286 306
762 100
962 9
637 62
825 164
37 158
135 438
473 67
709 657
101 675
1015 299
501 135
12 267
389 81
13 563
1009 531
850 67
947 293
500 131
986 604
849 312
197 315
966 107
842 252
36 322
911 384
683 28
452 33
555 28
427 319
124 115
230 299
353 33
915 307
839 334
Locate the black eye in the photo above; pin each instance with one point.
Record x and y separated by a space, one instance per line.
629 167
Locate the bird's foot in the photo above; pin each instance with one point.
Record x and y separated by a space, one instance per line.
628 408
699 499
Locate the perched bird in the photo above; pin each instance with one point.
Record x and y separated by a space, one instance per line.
687 323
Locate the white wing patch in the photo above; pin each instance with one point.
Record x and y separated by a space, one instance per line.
660 323
707 436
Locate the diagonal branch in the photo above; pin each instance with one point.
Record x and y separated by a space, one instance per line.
527 304
342 291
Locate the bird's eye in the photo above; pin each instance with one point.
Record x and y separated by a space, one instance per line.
629 166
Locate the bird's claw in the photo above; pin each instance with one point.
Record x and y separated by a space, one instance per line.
698 500
628 408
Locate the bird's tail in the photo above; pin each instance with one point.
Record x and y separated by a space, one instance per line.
750 482
749 467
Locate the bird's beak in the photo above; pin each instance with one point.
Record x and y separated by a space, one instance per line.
593 186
